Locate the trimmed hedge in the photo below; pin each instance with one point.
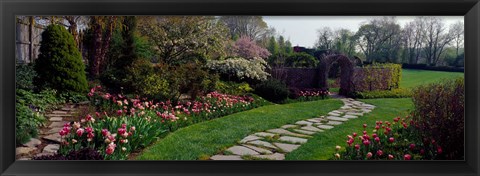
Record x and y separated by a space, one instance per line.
377 77
436 68
394 93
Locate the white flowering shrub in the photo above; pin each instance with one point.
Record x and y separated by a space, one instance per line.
241 68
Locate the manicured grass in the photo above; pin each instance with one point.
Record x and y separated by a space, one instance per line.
322 145
412 78
208 138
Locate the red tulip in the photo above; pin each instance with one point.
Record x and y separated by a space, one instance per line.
390 157
364 125
412 146
379 153
407 157
377 139
369 154
391 140
354 134
357 146
439 150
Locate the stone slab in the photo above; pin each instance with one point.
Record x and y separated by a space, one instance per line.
226 157
286 147
59 112
250 138
325 127
53 130
55 119
58 115
292 139
348 116
355 113
333 114
337 118
258 149
289 126
303 122
24 150
262 144
334 123
275 156
51 148
241 150
264 134
53 137
285 132
314 120
56 124
311 128
304 131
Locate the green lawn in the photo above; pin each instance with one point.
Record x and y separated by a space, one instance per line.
204 139
412 78
322 145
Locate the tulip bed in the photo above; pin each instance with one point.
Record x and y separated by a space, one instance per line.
122 125
396 140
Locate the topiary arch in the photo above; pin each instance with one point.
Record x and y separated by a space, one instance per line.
346 74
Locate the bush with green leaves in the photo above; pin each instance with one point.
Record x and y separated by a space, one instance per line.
272 90
25 75
59 65
240 69
301 60
149 80
233 88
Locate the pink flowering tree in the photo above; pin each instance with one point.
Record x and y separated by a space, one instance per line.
247 48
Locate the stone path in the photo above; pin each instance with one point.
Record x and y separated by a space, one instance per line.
48 140
273 144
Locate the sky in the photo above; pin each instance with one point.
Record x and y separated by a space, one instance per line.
302 30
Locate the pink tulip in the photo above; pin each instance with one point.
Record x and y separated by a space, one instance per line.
390 157
357 146
105 132
110 150
379 153
354 134
412 146
366 142
364 125
391 140
377 139
407 157
119 112
439 150
369 154
80 131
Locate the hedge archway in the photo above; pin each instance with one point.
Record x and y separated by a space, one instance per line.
346 73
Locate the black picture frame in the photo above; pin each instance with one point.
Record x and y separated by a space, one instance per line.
468 8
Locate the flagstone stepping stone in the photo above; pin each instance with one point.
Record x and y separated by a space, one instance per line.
334 123
325 127
52 131
337 118
250 138
59 112
349 116
333 114
337 111
275 156
58 115
241 150
51 148
285 132
311 128
262 143
289 126
303 122
354 113
24 150
68 109
304 131
226 157
366 110
32 143
286 147
258 149
292 139
24 158
53 137
56 124
56 119
44 154
314 120
264 134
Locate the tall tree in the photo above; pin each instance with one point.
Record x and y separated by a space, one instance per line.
413 38
251 26
344 42
178 38
324 38
377 36
101 28
436 38
458 31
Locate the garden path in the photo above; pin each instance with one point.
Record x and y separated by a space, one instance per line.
273 144
48 140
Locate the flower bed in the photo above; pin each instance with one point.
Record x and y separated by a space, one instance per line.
397 140
122 125
305 94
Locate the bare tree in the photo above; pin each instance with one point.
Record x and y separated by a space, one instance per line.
457 31
251 26
325 38
413 39
436 38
